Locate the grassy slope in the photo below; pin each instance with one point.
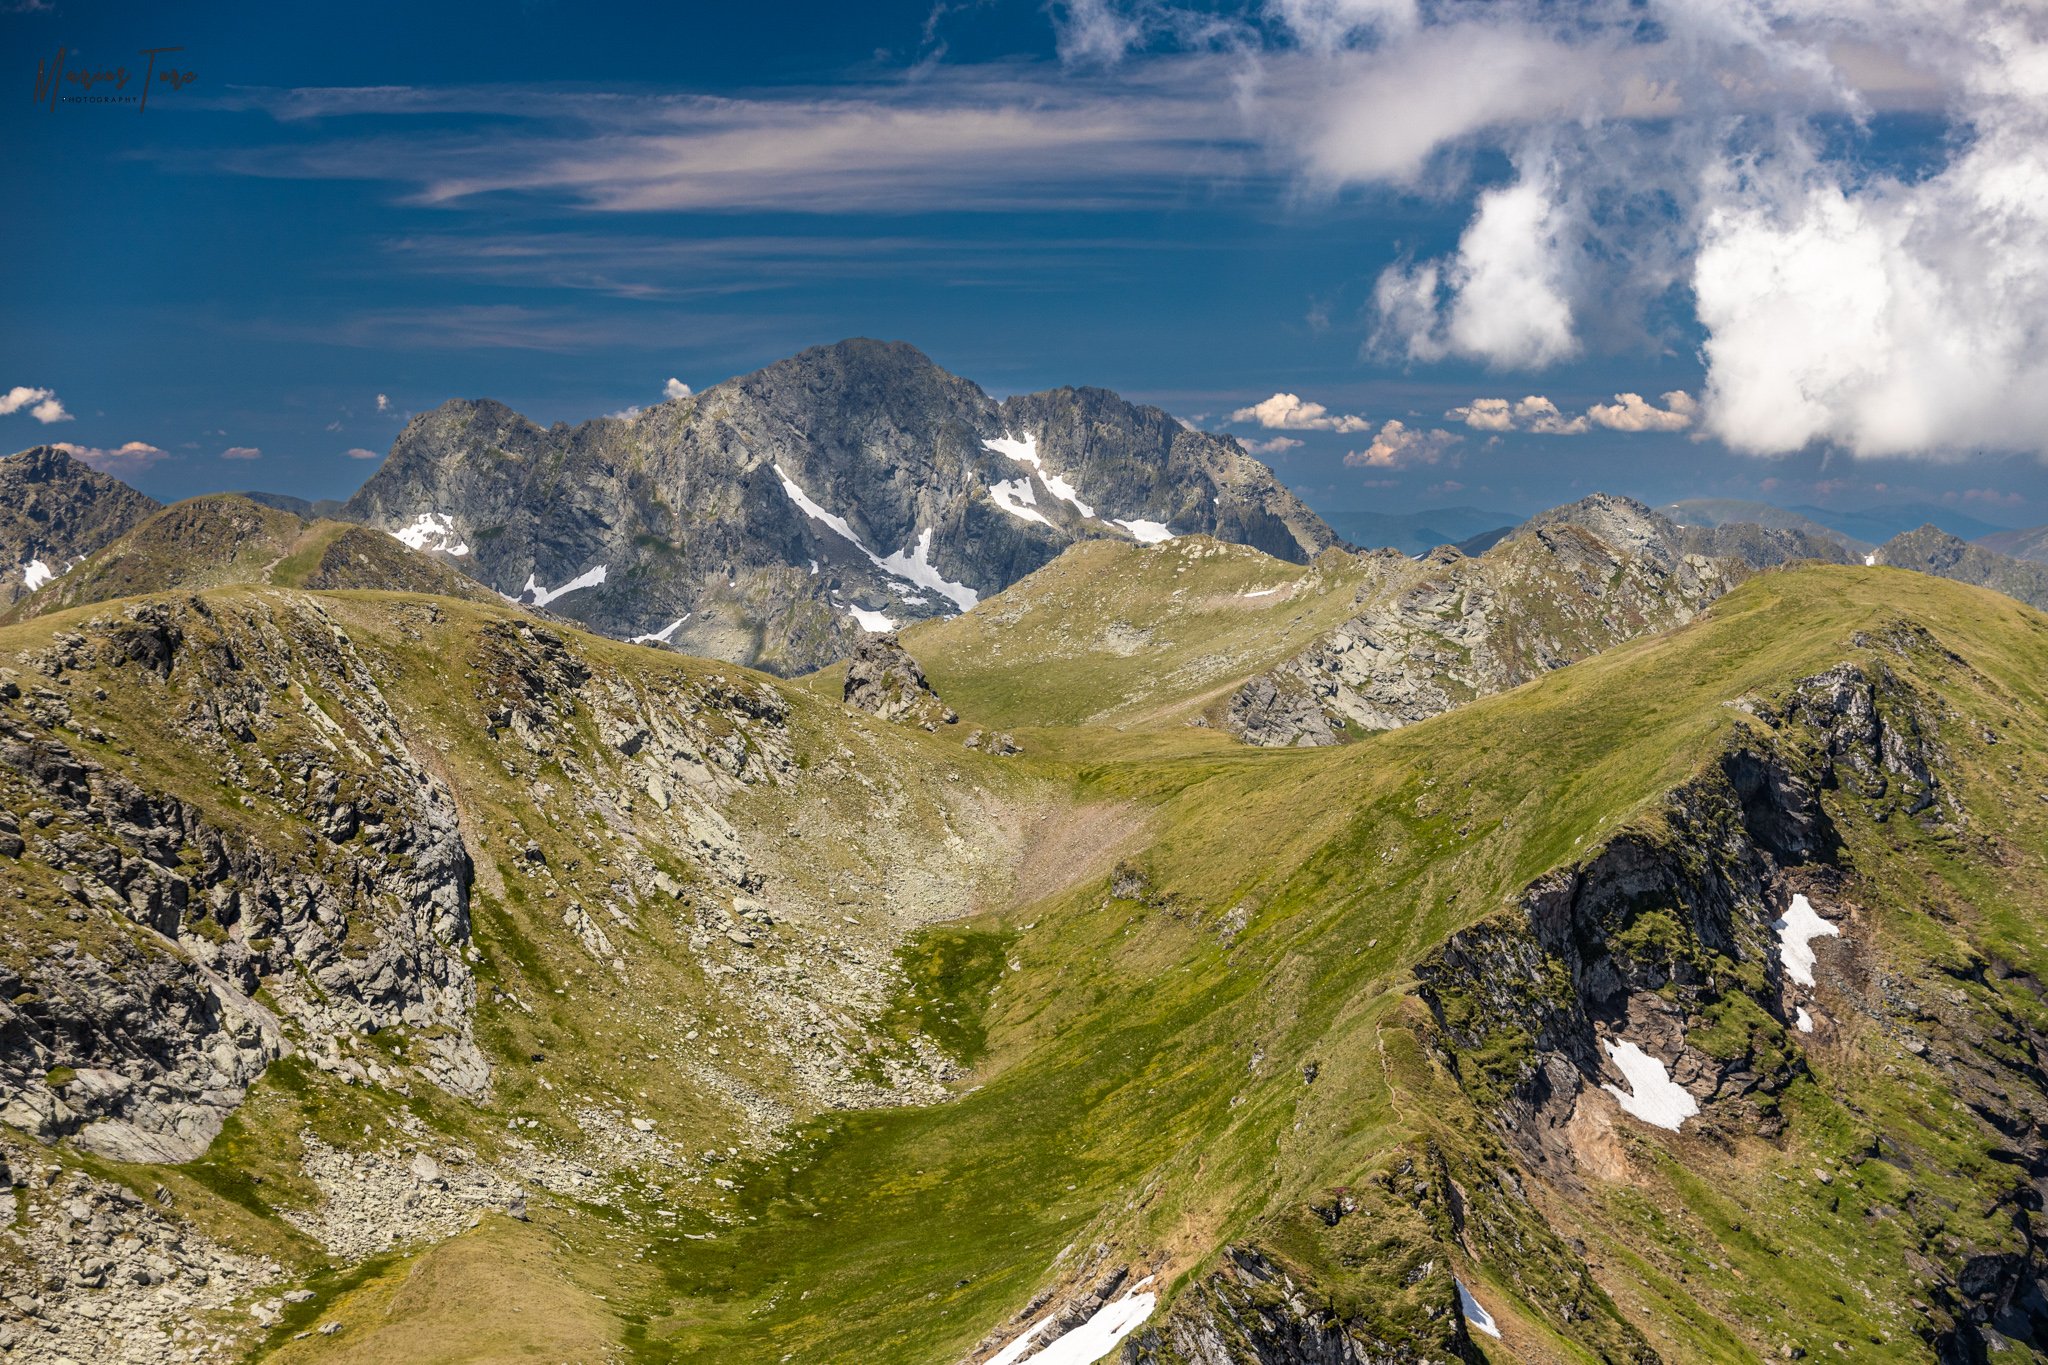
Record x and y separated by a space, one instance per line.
223 538
1141 1075
1122 1099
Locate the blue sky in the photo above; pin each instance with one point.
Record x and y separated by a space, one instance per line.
1398 211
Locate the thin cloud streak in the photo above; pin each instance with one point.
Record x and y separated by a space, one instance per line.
969 139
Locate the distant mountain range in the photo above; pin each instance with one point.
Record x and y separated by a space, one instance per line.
1417 533
2031 543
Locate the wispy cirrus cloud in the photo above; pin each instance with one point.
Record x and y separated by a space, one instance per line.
994 138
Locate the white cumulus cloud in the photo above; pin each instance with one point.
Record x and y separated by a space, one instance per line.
674 389
383 403
41 404
1273 445
358 453
1399 446
1631 412
1289 412
1504 297
1534 413
241 453
1696 154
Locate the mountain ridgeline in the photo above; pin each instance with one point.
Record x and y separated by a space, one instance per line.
771 518
1434 633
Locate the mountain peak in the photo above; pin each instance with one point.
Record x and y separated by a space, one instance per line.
854 486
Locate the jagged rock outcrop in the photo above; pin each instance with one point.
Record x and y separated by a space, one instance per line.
883 679
1933 550
750 522
1671 939
55 510
140 1043
1279 710
1249 1311
1434 634
1665 933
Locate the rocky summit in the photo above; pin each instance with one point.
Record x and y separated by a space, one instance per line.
772 518
54 511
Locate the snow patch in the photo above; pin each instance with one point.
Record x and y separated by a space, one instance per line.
1801 1020
1089 1342
35 573
1263 592
1147 532
1870 560
814 568
589 578
871 621
1015 497
662 636
914 567
433 531
1652 1095
1474 1313
1026 452
1796 933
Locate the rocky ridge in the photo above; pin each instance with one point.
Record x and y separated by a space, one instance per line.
1933 550
1433 634
138 1042
225 538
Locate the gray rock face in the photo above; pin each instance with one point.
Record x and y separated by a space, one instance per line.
139 1044
748 522
97 1273
882 678
1933 550
1278 711
1250 1311
1433 634
54 511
